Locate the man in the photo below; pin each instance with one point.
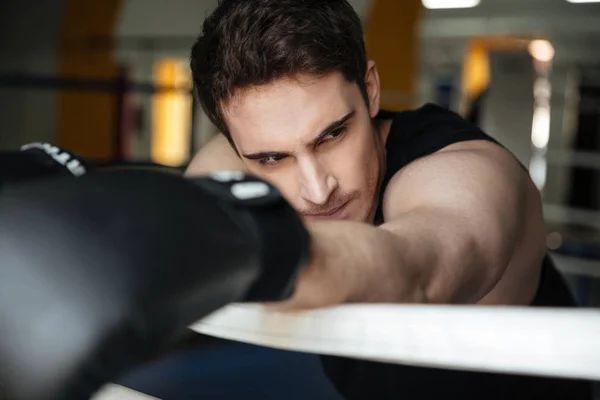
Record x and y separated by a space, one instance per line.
410 207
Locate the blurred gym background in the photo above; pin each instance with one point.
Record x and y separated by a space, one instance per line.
110 80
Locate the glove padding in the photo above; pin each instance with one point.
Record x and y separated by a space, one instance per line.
38 161
100 273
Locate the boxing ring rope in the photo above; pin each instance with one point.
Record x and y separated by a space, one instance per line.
552 342
547 342
117 392
570 215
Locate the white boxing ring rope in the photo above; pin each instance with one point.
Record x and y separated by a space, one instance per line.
552 342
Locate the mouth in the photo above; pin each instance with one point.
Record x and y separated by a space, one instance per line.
333 213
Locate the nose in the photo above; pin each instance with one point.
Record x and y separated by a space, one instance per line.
316 184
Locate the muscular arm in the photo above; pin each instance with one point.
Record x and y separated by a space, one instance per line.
217 154
454 219
461 213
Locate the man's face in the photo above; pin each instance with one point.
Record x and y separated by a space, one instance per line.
314 139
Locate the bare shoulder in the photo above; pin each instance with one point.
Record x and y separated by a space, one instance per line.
476 167
217 154
483 189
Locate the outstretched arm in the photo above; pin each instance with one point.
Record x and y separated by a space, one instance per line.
217 154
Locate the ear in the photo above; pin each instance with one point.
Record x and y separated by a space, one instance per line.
373 88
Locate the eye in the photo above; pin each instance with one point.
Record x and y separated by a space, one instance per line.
335 134
271 160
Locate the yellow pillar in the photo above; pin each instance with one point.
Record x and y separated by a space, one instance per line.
476 72
391 35
87 120
171 113
476 69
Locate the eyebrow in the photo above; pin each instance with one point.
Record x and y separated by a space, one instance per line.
332 127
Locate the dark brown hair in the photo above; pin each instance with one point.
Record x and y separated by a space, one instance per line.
246 43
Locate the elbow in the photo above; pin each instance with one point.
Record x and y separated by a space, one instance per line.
491 263
466 273
493 266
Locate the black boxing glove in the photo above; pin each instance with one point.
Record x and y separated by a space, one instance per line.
38 161
284 241
98 274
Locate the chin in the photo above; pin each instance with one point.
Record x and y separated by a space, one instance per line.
365 212
360 218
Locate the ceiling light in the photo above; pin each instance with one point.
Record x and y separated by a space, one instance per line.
445 4
541 50
583 1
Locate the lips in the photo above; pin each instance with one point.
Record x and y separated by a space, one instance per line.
335 212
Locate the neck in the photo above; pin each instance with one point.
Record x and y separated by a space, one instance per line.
384 127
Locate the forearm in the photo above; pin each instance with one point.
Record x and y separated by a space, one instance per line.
354 262
217 154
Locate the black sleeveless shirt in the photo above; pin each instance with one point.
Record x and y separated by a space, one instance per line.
414 134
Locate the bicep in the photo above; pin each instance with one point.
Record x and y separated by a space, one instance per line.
480 187
215 155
